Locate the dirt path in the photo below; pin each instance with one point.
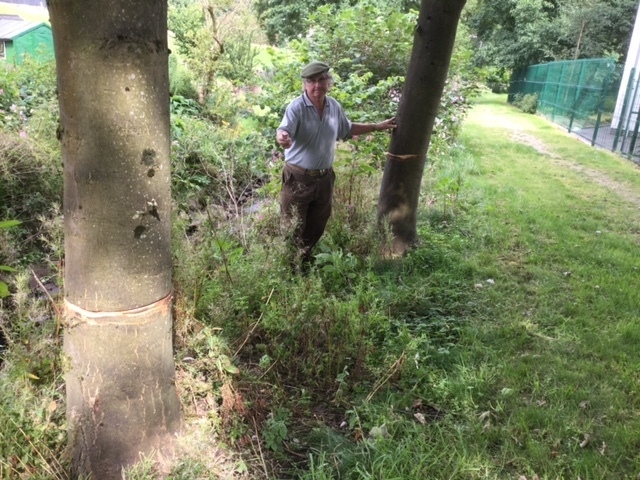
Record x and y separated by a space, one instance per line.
596 176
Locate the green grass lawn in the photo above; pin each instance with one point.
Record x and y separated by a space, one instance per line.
551 357
504 347
540 288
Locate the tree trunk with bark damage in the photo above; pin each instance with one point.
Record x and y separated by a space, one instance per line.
434 37
112 64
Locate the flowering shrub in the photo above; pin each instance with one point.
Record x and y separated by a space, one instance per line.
24 89
454 105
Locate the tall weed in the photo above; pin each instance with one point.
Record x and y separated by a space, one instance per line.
30 180
32 404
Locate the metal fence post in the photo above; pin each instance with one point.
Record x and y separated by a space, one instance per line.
605 86
576 96
625 104
559 83
634 137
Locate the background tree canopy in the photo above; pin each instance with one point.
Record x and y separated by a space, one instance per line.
506 34
284 20
510 34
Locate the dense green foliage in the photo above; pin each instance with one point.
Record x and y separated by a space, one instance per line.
212 39
337 38
527 103
285 20
512 34
30 166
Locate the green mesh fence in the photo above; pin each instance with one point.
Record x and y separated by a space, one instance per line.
579 95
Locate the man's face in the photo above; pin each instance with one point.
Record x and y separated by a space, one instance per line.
317 86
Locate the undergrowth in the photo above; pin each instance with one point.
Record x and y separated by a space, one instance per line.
501 346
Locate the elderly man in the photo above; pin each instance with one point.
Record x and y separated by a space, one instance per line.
308 132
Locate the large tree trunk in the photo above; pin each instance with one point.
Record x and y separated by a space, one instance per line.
112 63
433 42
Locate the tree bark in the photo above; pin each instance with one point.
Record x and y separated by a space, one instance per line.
112 66
433 41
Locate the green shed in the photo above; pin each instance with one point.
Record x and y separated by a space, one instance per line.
19 37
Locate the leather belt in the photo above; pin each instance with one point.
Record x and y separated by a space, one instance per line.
305 171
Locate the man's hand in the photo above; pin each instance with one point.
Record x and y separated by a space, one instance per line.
388 124
283 139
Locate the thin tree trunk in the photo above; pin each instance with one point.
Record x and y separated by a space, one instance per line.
112 64
434 37
582 28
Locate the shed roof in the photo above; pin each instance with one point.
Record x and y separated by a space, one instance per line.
12 26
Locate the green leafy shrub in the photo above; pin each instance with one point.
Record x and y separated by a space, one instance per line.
238 60
366 102
214 165
30 169
454 106
24 89
369 36
284 20
528 103
214 40
275 429
180 79
224 103
276 88
183 106
497 79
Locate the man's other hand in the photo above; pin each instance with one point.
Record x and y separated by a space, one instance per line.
283 139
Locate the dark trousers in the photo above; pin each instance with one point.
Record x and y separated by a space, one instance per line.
306 198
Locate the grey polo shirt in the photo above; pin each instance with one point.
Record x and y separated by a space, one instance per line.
313 141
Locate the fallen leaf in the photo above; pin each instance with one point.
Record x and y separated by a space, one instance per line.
585 442
420 417
484 415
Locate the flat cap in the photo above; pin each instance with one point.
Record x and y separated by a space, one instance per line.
314 68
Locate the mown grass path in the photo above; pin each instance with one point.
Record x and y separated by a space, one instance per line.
552 358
